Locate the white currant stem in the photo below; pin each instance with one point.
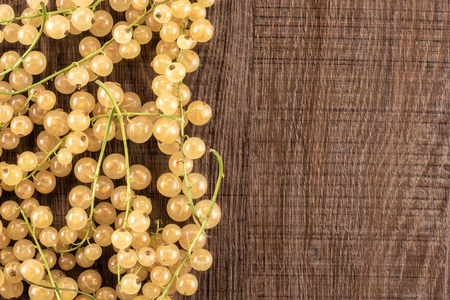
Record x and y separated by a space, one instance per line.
18 112
118 274
52 288
49 154
41 30
133 114
183 138
38 247
155 234
202 228
94 184
125 149
93 6
183 157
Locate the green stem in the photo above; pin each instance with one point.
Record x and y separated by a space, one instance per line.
132 114
36 40
183 157
18 112
137 272
118 274
74 64
219 181
38 247
49 154
125 149
202 228
93 6
155 235
37 15
52 288
94 184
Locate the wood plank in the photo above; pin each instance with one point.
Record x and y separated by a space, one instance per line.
350 150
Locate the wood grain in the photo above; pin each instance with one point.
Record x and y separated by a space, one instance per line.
351 105
333 120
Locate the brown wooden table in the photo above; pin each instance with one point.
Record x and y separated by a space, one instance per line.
333 120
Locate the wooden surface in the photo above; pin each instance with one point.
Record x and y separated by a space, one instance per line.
333 120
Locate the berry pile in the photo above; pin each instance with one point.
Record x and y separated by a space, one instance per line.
148 264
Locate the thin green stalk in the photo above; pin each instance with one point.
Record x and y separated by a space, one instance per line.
125 149
138 270
93 6
155 235
218 183
18 112
52 288
74 64
36 40
38 247
37 15
94 184
183 157
49 154
118 274
26 103
133 114
202 228
68 68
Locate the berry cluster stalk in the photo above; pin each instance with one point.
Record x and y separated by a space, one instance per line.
57 289
18 112
36 40
94 184
183 156
44 258
125 149
204 220
202 228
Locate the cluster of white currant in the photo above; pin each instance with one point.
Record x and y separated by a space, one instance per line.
148 265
